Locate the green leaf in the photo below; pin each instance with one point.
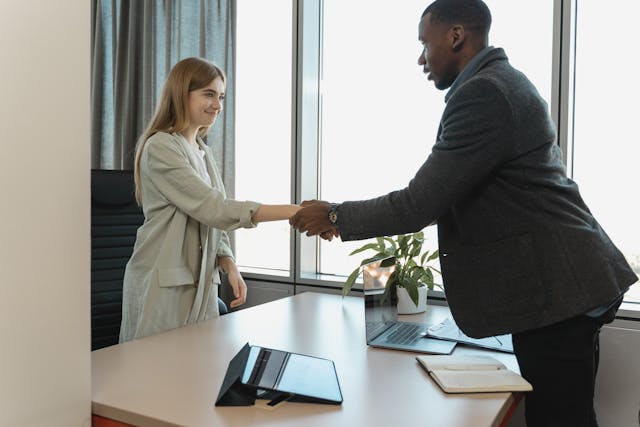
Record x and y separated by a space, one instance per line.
420 277
393 280
412 290
387 294
373 246
403 241
388 262
433 256
381 245
376 257
423 257
415 251
428 278
350 281
393 243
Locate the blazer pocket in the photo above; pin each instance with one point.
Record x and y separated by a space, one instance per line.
178 276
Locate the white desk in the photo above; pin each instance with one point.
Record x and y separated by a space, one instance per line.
173 378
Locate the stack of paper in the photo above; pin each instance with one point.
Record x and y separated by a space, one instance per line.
448 330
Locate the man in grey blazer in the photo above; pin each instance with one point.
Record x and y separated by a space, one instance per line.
520 251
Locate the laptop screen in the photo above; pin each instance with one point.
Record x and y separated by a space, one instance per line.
378 310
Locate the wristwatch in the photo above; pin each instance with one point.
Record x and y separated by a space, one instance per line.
333 213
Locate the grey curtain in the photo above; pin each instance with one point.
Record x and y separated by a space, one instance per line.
134 45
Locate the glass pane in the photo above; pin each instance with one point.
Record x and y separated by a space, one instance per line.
380 115
527 42
263 126
606 145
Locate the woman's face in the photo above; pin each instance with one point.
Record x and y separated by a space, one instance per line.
205 104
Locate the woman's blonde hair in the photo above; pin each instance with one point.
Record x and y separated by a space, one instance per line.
171 114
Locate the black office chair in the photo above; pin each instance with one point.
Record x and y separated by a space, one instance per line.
115 218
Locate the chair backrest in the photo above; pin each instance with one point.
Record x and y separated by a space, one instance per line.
115 218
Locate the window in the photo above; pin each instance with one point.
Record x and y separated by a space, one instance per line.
379 114
366 117
606 146
263 127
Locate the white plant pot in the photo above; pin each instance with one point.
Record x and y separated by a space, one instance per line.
405 303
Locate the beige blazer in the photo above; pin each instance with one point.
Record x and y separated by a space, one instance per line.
171 279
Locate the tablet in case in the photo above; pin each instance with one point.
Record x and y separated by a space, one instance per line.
280 375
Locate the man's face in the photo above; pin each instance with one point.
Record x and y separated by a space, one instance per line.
438 57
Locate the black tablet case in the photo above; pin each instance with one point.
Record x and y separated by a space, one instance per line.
234 393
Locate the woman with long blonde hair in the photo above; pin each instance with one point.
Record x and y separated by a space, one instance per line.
171 279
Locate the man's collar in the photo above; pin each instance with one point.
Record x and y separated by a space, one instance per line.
472 67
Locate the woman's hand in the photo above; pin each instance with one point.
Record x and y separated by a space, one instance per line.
239 288
235 280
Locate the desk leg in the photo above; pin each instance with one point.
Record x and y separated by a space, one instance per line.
98 421
516 399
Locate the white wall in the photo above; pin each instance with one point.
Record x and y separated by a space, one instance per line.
44 213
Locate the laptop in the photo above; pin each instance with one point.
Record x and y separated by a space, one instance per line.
384 330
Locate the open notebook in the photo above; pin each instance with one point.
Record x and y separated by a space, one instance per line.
472 374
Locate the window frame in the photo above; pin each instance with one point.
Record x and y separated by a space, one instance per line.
274 274
306 112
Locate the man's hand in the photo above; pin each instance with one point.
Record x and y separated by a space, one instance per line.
330 234
313 219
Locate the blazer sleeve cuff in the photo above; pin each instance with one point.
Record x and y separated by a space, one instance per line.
247 215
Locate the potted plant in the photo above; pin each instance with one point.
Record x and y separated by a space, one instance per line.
412 270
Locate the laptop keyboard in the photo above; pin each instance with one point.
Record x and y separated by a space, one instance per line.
375 328
404 333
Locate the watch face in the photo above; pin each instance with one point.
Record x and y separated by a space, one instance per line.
333 217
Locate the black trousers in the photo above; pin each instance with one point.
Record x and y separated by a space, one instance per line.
561 361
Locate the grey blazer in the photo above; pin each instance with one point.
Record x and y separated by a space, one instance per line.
519 249
171 279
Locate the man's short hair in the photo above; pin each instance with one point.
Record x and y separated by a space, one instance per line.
474 15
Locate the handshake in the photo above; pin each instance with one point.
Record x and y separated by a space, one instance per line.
313 218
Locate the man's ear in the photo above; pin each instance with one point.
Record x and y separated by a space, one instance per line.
457 36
